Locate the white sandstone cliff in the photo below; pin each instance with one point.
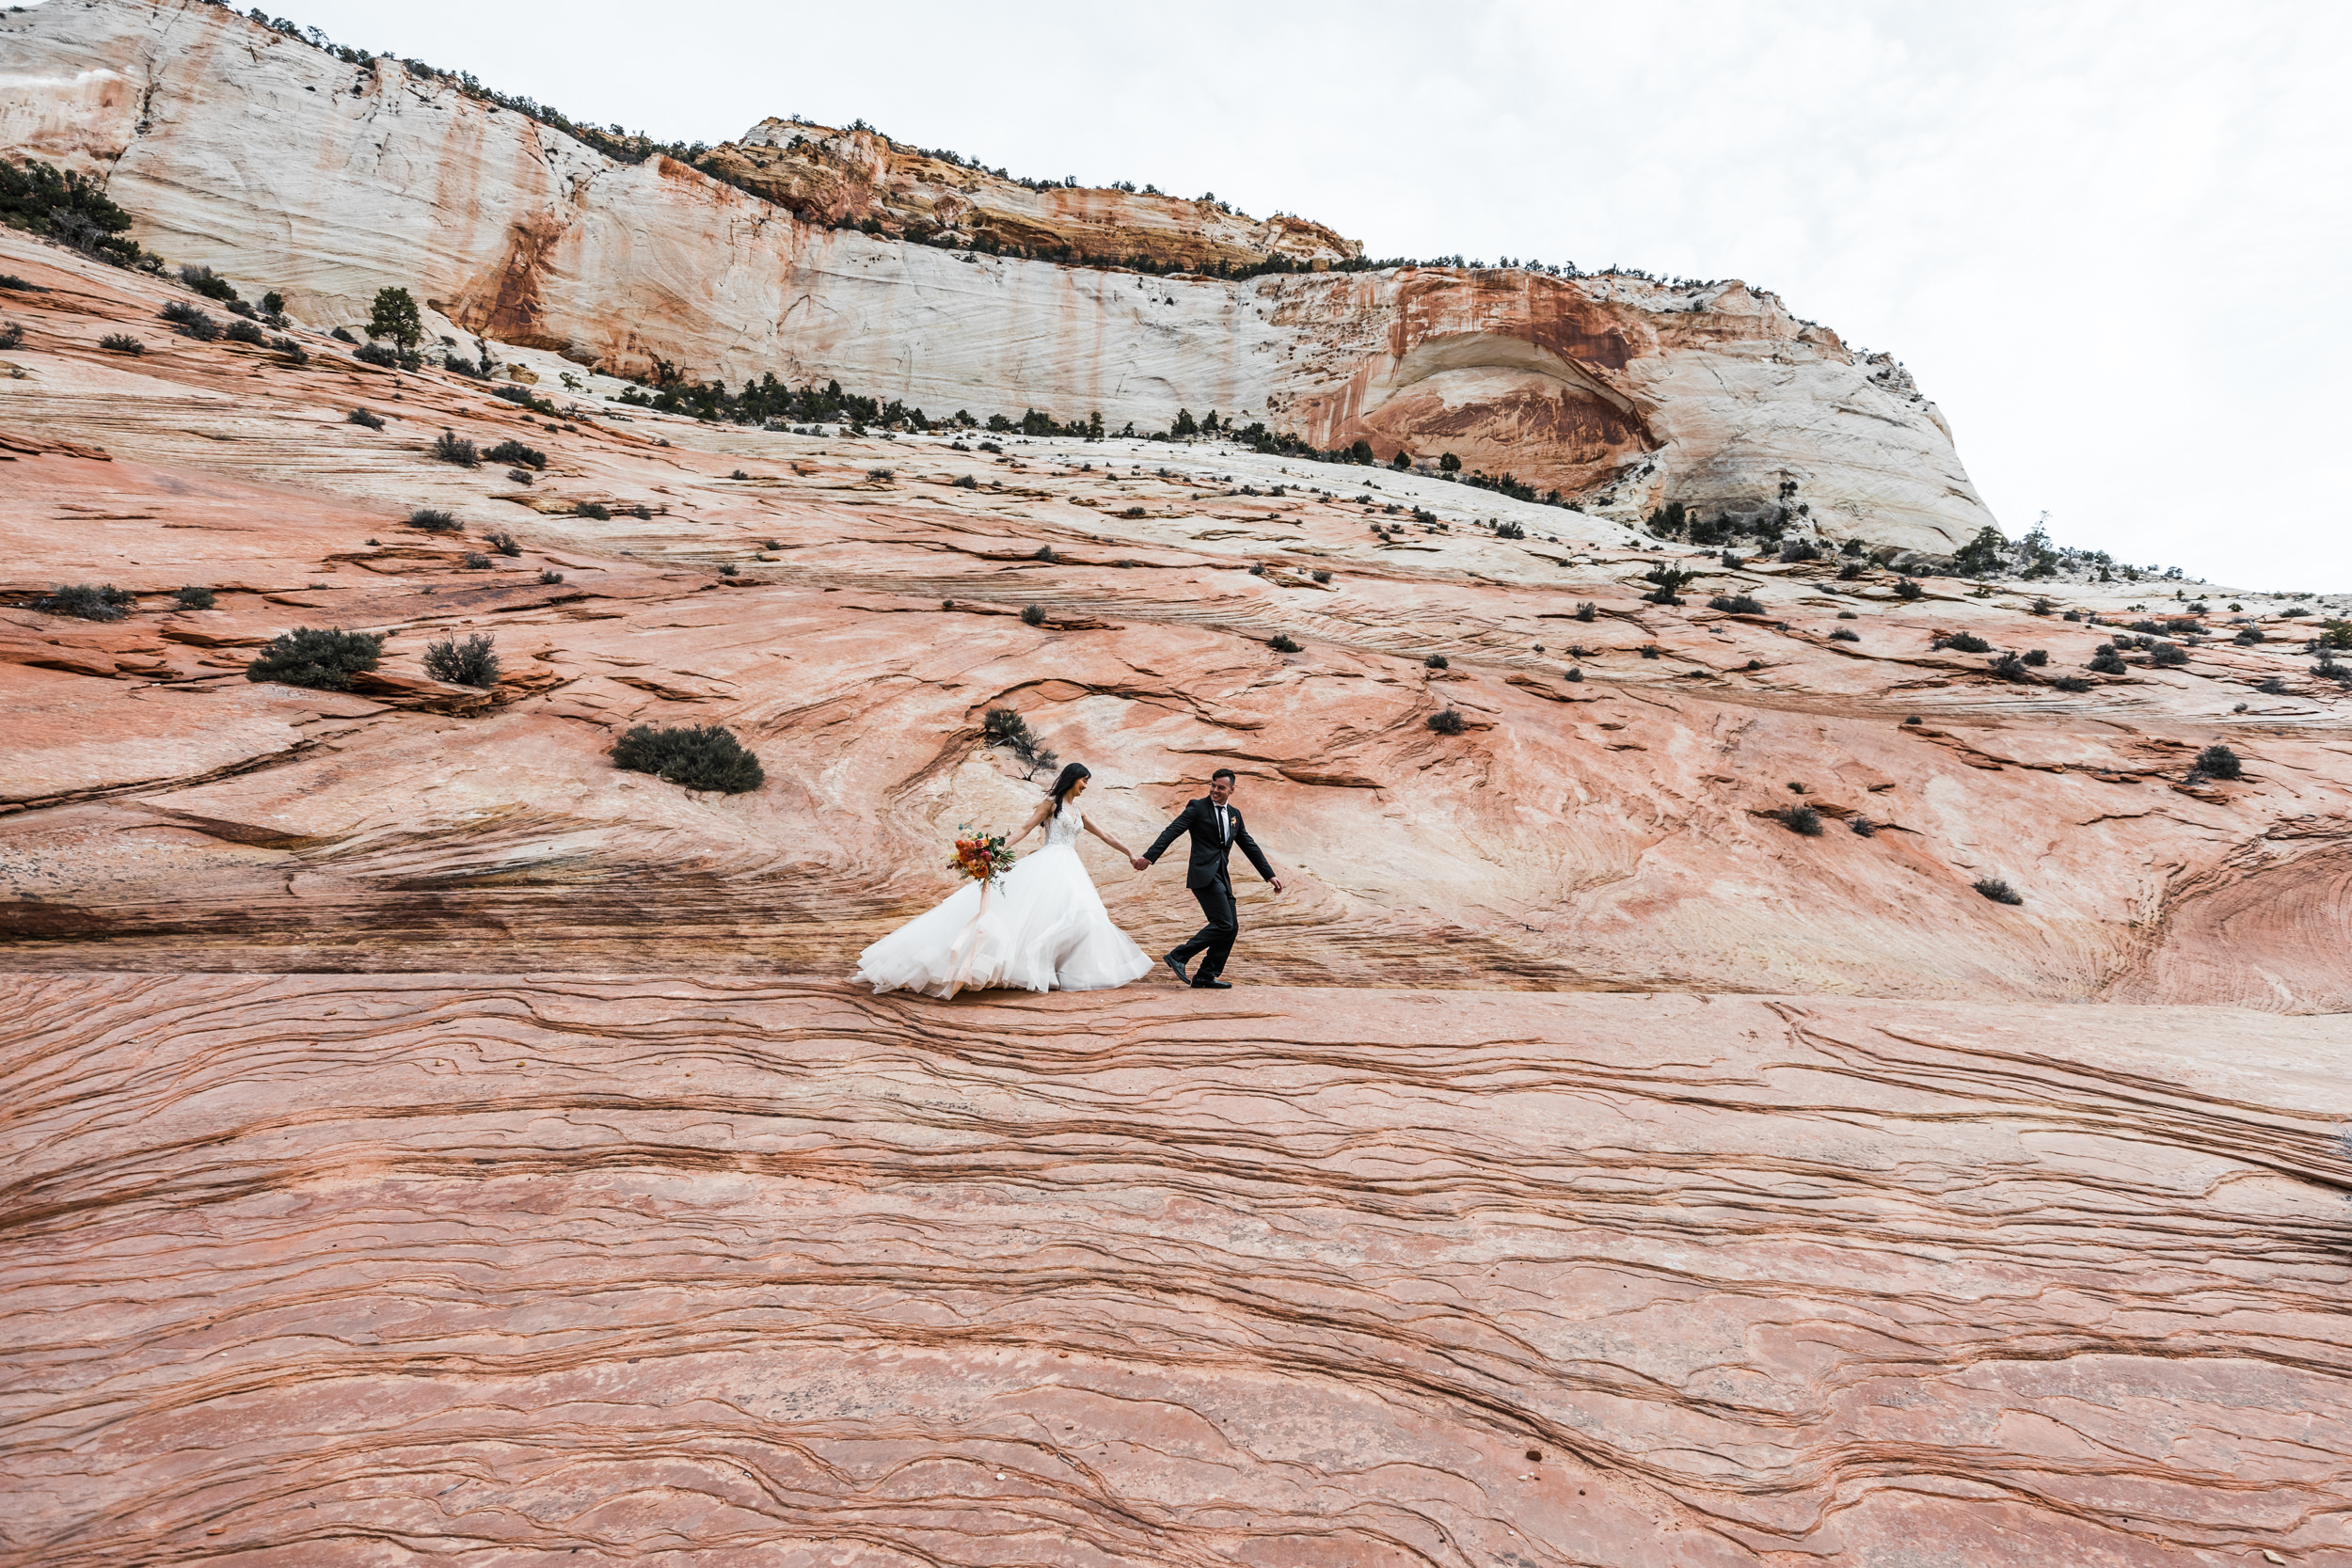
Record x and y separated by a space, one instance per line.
283 166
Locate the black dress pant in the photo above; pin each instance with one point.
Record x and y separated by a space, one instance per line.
1215 941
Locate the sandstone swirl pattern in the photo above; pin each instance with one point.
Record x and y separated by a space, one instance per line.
504 1269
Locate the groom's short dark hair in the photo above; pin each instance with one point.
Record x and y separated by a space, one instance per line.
1224 773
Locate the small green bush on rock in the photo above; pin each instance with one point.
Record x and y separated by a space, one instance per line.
472 662
703 756
317 657
87 602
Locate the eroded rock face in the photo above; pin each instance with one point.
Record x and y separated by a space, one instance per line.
260 155
583 1211
861 177
1621 830
758 1271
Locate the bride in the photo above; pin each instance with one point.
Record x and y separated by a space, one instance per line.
1041 928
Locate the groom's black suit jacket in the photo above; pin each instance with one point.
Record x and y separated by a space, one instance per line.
1208 848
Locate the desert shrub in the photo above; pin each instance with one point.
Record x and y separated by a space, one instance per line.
296 354
121 343
965 482
2248 637
432 520
10 280
1045 553
597 510
1005 727
244 332
2041 607
2336 635
1648 650
728 568
881 476
1132 512
1997 889
502 542
1845 634
456 365
317 657
1736 604
2008 667
2106 661
550 578
705 756
1282 643
2291 611
1864 826
1435 661
1575 676
205 281
2274 687
2328 670
1906 588
1793 550
377 353
516 452
449 447
2219 762
85 601
474 561
1851 572
1033 615
472 662
2169 654
519 475
11 336
239 308
193 597
1447 722
1586 609
190 322
2037 657
1510 531
1801 819
1671 581
1966 642
364 420
342 335
2071 683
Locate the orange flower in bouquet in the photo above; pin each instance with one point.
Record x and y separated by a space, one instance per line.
982 857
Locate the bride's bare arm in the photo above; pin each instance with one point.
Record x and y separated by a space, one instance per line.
1045 809
1124 853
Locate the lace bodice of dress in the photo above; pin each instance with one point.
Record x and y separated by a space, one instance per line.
1064 827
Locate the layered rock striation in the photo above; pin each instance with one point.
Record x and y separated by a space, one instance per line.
243 148
424 1139
346 1270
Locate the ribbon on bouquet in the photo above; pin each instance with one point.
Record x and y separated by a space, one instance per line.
969 942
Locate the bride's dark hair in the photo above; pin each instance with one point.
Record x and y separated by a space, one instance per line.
1070 774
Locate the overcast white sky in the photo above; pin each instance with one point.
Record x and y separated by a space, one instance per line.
2109 239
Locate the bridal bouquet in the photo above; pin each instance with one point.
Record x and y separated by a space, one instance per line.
982 857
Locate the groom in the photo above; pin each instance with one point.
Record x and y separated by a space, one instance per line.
1215 826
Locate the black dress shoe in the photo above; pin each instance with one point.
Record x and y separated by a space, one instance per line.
1182 978
1213 985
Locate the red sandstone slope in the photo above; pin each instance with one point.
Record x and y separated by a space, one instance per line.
1624 830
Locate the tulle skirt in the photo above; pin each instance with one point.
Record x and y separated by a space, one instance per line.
1041 928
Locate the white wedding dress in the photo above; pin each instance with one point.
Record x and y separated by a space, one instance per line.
1042 927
